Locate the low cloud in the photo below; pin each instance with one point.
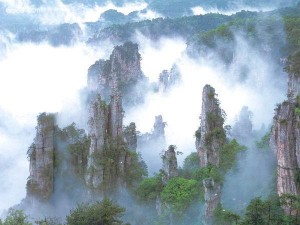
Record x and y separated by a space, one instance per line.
57 12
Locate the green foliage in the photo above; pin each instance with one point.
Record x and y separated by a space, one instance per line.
183 26
297 111
292 65
297 176
264 142
228 154
47 221
191 162
104 212
292 203
119 162
179 194
129 52
136 170
266 212
77 143
210 172
46 118
255 212
259 29
225 216
16 217
150 188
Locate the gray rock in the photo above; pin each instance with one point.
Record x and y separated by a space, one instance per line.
210 137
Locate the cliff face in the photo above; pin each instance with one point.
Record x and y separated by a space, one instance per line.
210 137
41 154
98 123
116 78
130 137
122 72
169 164
285 137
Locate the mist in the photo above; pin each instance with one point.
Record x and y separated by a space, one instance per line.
57 12
34 79
260 90
37 78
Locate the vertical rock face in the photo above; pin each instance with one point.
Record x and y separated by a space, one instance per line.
130 137
98 123
209 139
285 137
122 72
158 128
169 164
41 154
211 136
115 116
113 79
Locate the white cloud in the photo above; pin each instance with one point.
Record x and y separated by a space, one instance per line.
199 10
34 79
160 55
56 12
181 107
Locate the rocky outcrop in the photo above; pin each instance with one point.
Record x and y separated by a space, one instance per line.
242 129
97 125
122 73
158 128
116 115
286 144
285 136
116 77
210 137
130 137
169 164
41 155
167 79
152 143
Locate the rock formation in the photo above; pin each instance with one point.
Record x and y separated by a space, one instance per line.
115 78
122 72
158 128
210 137
130 137
153 143
167 79
41 155
285 136
242 129
98 124
169 164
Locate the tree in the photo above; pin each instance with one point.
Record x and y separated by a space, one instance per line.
47 221
225 217
16 217
150 188
255 213
99 213
179 193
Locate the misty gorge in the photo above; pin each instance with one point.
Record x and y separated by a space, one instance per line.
149 112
